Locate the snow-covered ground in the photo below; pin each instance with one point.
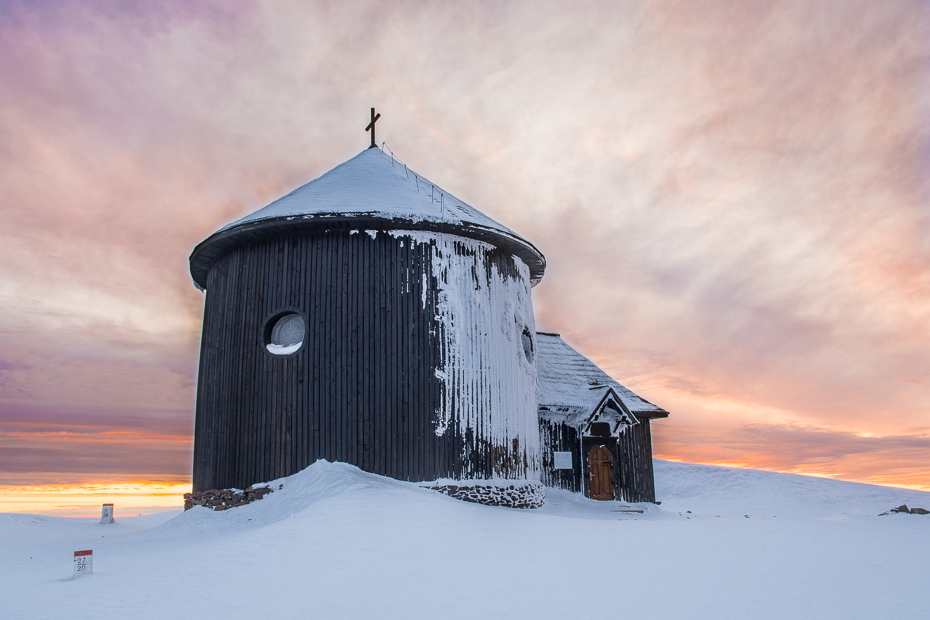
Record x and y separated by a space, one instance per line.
339 543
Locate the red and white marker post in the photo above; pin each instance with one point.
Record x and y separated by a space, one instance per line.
83 563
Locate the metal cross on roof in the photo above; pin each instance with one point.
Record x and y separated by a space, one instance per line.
371 126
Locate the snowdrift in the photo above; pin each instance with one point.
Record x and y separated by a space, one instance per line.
335 542
725 490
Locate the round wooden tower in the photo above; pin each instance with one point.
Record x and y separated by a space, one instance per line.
369 317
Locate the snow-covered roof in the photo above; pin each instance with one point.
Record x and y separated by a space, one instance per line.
571 384
372 190
601 404
373 183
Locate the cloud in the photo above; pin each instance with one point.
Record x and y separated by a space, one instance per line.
732 198
863 457
71 445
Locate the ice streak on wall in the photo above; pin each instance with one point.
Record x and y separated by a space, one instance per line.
483 305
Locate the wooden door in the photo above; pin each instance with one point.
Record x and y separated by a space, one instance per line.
600 474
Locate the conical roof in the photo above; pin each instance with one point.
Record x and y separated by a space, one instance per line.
371 190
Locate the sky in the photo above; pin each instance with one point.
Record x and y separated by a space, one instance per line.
733 199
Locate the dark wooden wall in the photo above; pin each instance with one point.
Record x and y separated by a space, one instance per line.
636 473
634 478
556 437
363 388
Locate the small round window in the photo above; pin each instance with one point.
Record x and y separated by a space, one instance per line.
285 334
527 339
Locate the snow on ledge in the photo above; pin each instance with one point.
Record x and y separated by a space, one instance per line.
280 349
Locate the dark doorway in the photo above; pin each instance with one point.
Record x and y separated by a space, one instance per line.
600 474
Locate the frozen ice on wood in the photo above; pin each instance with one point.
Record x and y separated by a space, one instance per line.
489 383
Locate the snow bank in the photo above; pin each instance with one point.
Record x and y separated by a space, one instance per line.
335 542
713 490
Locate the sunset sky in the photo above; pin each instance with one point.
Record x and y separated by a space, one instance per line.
733 199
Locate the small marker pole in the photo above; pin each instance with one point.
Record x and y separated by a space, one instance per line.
83 563
107 515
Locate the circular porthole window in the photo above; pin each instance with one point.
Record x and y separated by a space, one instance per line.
284 334
527 339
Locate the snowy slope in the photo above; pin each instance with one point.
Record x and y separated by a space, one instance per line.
728 491
339 543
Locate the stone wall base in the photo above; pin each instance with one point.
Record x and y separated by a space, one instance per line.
518 495
224 499
903 509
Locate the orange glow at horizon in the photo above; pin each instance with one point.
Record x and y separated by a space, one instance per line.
886 481
143 497
85 500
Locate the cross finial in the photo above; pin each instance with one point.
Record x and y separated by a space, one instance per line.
371 126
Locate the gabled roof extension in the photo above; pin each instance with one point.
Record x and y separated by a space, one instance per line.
604 405
571 384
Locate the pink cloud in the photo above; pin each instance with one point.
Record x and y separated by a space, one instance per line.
732 198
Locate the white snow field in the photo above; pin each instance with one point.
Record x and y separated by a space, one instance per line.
336 542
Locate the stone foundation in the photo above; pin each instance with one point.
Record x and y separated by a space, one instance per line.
517 495
224 499
903 509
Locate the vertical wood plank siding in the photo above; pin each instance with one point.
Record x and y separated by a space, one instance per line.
556 437
364 387
632 453
636 472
